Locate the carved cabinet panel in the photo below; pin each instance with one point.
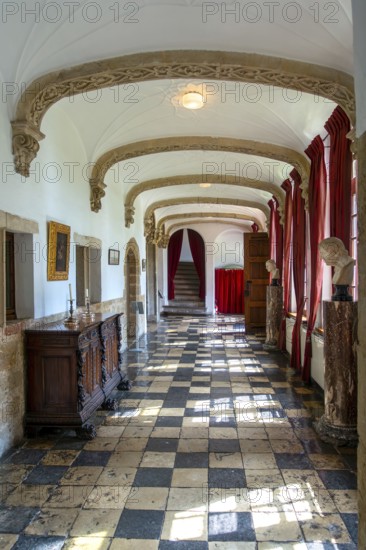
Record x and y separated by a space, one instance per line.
71 372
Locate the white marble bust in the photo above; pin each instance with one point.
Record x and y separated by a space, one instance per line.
272 268
334 253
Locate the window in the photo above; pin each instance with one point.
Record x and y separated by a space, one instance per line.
10 277
354 237
88 274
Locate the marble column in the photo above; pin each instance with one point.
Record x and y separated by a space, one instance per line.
339 422
273 316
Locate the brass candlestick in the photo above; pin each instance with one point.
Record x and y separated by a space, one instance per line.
71 321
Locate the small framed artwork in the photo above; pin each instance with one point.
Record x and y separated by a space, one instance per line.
113 256
58 252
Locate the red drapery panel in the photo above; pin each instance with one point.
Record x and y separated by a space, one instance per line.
298 240
229 290
287 261
255 227
317 198
340 175
275 235
174 250
197 247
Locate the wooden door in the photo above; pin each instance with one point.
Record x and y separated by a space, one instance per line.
256 253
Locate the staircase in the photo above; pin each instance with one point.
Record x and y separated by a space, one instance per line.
186 301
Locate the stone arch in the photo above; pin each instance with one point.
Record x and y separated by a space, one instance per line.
193 143
132 285
46 90
224 215
181 225
158 183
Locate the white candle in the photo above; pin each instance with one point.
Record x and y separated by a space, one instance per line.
87 293
70 292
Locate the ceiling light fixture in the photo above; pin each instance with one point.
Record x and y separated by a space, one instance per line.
205 185
192 100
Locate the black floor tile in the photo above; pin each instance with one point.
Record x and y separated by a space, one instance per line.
92 458
191 460
140 524
46 475
183 545
153 477
294 461
169 421
351 521
158 444
25 542
338 479
223 446
226 478
231 527
26 456
315 446
15 520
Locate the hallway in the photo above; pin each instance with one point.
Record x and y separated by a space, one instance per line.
213 446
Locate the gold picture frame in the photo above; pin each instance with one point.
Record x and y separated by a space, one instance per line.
58 252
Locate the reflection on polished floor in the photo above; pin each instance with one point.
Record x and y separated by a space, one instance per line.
213 448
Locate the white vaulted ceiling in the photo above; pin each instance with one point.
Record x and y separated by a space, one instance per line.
314 32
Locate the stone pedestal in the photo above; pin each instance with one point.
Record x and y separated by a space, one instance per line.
274 317
339 422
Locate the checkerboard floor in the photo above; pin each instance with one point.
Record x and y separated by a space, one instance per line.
213 448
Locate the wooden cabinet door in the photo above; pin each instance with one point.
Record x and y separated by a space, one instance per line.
256 253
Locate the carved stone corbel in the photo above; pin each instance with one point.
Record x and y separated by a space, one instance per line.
149 229
304 186
96 195
129 215
352 137
25 145
164 241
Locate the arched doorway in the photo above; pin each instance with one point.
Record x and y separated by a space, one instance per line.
132 287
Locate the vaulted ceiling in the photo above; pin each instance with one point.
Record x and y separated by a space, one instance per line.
245 140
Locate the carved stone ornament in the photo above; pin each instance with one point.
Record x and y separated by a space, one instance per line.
45 91
25 146
149 229
129 215
202 143
164 241
96 195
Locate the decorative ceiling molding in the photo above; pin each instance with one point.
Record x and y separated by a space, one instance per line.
193 143
206 200
164 240
46 90
224 215
158 183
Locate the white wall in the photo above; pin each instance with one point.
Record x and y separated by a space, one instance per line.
230 248
186 254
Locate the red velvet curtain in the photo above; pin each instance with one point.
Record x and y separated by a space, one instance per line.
174 250
340 175
317 200
287 265
229 290
298 240
197 247
275 235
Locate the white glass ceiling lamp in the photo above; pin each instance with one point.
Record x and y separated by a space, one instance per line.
192 100
205 185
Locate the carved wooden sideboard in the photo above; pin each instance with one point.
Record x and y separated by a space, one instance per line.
71 372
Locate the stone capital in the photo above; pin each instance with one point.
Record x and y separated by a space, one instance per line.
25 145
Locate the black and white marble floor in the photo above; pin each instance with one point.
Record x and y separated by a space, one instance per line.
213 448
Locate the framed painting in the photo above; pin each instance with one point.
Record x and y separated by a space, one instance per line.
58 252
113 256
